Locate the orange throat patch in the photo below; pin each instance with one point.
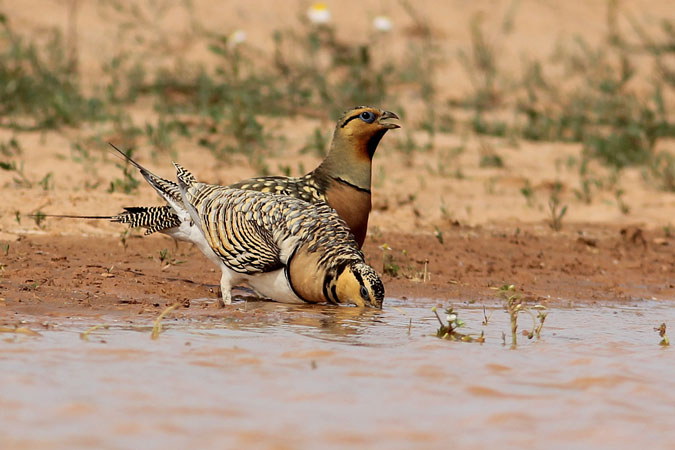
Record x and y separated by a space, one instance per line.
352 205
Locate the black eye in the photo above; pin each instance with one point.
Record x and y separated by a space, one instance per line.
367 116
364 292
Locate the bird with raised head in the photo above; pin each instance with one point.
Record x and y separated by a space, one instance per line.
343 179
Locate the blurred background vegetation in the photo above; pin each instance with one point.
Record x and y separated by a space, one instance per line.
610 96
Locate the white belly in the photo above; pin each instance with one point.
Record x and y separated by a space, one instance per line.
273 285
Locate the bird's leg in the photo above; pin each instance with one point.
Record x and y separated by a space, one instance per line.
225 289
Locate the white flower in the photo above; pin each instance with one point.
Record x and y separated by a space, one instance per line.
382 24
319 14
237 37
451 318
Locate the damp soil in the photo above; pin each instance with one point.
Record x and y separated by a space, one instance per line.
81 276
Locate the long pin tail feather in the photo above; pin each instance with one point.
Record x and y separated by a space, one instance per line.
72 216
127 158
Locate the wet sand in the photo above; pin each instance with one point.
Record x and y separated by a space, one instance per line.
81 276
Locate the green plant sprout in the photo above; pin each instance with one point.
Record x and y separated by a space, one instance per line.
163 255
39 218
85 335
514 306
124 236
157 327
556 212
486 318
389 267
668 230
449 331
623 207
438 234
662 332
166 261
528 192
128 183
21 179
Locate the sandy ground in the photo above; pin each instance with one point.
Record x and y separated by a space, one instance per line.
491 234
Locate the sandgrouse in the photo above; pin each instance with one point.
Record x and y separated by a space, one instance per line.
286 249
342 180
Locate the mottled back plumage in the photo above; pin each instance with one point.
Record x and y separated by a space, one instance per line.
247 229
308 187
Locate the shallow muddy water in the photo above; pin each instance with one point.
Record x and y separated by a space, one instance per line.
297 377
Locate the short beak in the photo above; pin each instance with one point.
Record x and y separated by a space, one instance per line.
389 125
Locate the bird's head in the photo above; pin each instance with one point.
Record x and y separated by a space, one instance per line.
364 126
360 285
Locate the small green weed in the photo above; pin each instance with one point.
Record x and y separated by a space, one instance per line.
285 170
124 239
587 181
669 230
556 212
163 255
317 143
491 160
528 192
20 180
85 335
10 148
46 182
39 217
38 87
157 326
398 263
389 267
514 306
439 235
661 169
166 260
662 332
623 207
481 65
449 329
128 183
486 318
